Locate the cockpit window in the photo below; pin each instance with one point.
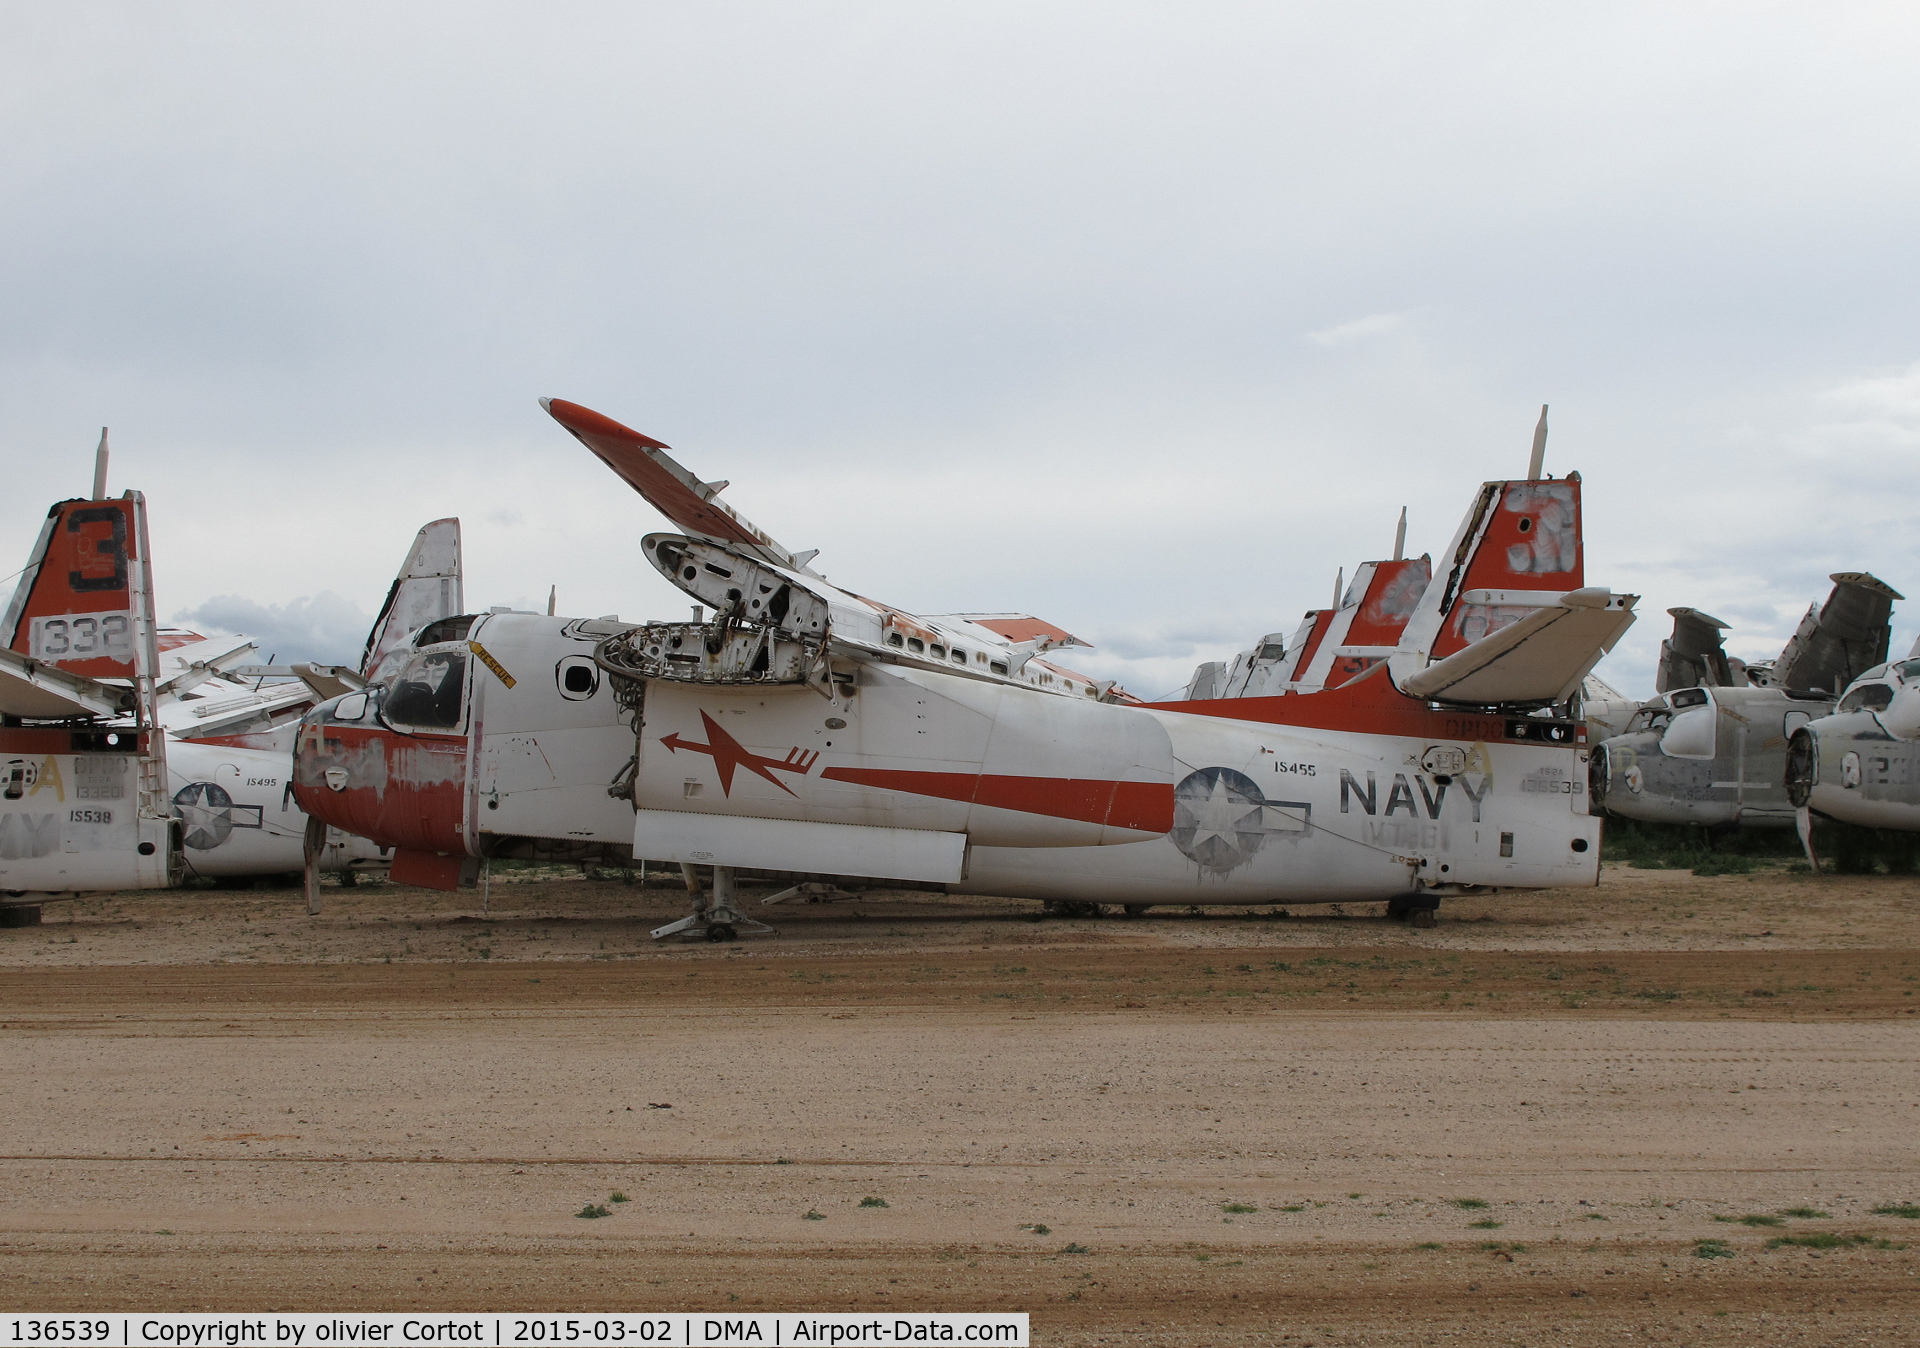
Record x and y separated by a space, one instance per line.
1867 697
1689 697
429 691
1909 670
1649 718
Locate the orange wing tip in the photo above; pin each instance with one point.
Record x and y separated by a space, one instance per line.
585 421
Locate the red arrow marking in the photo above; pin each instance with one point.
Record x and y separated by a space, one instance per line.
728 753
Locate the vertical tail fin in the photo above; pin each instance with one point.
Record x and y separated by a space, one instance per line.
84 601
1519 544
428 588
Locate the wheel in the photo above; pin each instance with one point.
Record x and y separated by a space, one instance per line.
1397 909
1424 917
720 931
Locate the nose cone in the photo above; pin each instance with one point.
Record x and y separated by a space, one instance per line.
399 790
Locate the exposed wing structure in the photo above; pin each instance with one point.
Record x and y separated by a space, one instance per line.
1695 655
1840 640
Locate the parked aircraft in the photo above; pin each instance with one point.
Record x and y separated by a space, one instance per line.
810 729
1711 749
1861 765
90 796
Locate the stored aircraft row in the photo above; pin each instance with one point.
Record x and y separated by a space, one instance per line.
1425 735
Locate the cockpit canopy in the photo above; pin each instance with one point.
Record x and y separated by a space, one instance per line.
429 692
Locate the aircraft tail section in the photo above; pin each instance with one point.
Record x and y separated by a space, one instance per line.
1839 641
83 611
1508 618
427 588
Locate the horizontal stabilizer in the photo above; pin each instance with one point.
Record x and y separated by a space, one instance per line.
1535 660
644 464
39 691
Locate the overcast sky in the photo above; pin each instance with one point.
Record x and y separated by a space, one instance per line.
1143 318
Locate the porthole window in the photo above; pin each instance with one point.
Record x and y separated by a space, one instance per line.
916 645
959 657
578 677
937 651
895 639
998 666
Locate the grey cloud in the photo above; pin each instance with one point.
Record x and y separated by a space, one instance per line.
323 628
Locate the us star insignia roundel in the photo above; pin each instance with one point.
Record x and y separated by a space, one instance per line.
1220 818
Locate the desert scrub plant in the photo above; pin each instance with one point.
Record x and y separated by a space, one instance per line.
813 1215
1470 1204
1238 1207
872 1202
594 1210
1712 1249
617 1197
1910 1211
1753 1219
1072 1248
1804 1212
1485 1224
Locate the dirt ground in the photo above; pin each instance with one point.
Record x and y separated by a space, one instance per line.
1519 1126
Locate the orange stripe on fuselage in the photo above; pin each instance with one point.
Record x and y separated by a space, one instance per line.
1145 806
1369 705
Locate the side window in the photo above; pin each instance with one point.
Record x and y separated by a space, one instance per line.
578 677
430 692
1792 721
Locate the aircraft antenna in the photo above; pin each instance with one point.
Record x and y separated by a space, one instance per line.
553 594
100 468
1400 537
1339 584
1539 447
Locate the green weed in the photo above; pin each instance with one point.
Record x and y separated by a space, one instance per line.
1238 1207
1910 1211
594 1210
1712 1249
1470 1204
871 1202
